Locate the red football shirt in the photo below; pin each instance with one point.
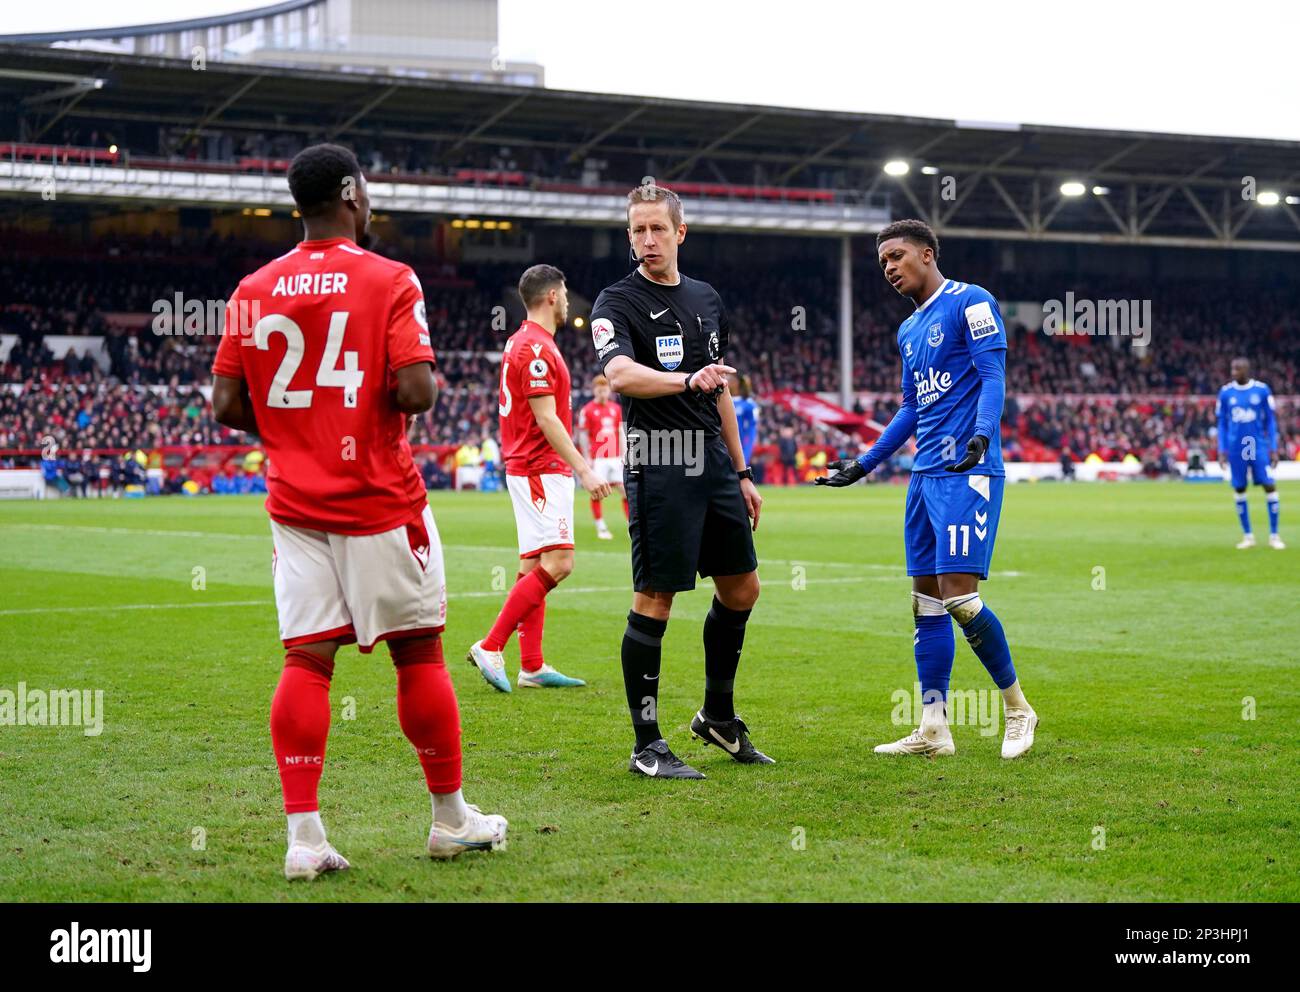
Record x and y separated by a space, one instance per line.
601 422
532 365
317 335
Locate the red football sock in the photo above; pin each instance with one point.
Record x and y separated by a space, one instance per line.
526 595
300 723
596 511
427 710
530 637
627 512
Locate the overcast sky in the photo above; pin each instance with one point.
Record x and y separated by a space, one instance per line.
1193 67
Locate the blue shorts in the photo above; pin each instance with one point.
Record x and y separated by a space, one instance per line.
1258 468
951 522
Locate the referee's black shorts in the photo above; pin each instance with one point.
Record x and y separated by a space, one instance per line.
683 522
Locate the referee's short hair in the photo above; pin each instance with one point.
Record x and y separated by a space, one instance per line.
651 192
537 281
917 231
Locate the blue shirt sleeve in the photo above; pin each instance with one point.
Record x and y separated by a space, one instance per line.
900 428
986 339
1222 439
991 364
982 322
1270 413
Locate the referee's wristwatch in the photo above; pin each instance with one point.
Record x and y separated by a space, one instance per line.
745 473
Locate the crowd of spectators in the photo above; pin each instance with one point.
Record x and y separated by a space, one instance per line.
76 418
784 337
1113 428
67 416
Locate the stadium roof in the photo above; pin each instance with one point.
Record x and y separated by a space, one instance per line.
134 30
991 180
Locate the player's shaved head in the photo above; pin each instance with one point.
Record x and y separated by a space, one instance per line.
536 282
320 176
916 231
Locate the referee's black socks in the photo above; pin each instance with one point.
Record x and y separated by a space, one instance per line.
642 653
724 636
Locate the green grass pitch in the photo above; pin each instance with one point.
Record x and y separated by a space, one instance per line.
1164 769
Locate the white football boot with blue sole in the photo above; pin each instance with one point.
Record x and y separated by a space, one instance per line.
491 665
546 677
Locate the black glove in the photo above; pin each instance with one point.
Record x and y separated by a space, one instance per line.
975 449
847 472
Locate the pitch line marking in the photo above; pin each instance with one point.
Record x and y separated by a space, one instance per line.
473 594
475 548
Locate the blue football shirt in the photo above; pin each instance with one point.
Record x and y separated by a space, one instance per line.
1246 412
938 344
747 421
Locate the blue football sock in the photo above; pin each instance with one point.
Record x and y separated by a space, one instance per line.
1243 513
934 645
985 636
1272 513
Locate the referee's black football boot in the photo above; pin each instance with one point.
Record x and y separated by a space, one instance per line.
730 735
656 761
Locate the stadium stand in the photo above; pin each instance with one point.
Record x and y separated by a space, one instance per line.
82 362
130 388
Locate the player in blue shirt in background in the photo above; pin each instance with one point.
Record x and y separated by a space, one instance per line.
954 350
1248 442
746 413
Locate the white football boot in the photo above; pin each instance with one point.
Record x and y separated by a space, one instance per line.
930 740
1019 735
491 665
1246 542
305 861
480 832
1275 542
547 677
602 531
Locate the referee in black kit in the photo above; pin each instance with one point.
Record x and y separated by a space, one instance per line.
660 337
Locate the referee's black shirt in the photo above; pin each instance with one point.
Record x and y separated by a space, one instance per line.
678 328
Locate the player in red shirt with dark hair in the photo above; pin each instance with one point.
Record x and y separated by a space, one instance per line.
601 421
540 457
325 352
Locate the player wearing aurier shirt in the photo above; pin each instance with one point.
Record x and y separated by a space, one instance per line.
954 350
660 338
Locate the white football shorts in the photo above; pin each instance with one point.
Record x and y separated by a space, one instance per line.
367 588
543 512
609 470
